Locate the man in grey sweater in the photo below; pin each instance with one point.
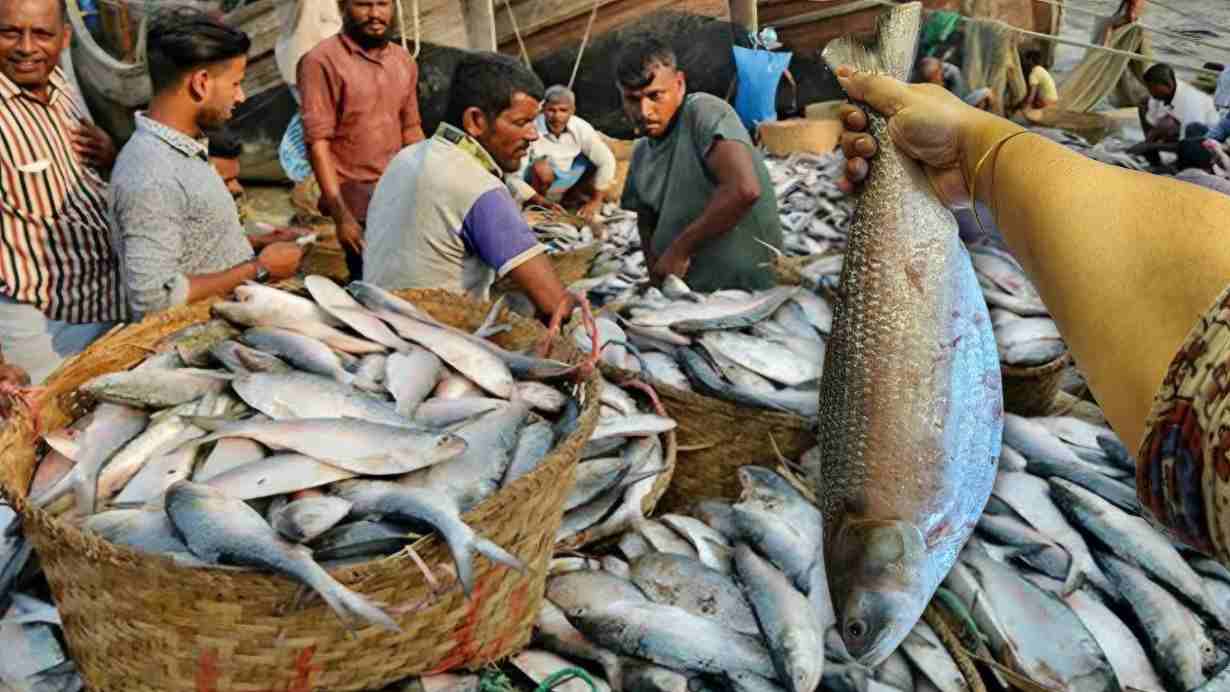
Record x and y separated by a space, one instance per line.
181 238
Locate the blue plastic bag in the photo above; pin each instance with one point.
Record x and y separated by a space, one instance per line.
759 72
293 154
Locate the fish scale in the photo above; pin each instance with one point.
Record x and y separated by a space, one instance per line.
910 397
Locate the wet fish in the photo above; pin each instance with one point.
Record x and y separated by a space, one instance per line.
299 395
147 530
533 444
767 358
221 530
361 538
239 358
1181 649
305 519
718 515
541 397
156 389
227 454
685 583
160 472
552 631
910 397
337 302
712 548
260 306
640 676
674 638
476 362
705 378
794 637
280 474
442 413
304 352
716 313
194 343
929 655
363 447
418 506
637 425
578 593
411 376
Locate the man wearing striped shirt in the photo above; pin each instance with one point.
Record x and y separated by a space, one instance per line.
59 282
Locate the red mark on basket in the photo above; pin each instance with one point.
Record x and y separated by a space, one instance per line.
207 672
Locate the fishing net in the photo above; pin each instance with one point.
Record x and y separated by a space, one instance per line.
1104 75
992 60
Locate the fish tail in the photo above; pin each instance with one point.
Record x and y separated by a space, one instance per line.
495 553
894 49
350 607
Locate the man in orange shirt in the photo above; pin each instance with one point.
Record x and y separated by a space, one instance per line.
360 107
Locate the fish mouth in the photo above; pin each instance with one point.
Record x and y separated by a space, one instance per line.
874 653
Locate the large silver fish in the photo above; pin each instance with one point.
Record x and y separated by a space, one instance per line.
910 396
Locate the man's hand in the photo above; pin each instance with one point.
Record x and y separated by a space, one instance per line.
281 260
673 261
591 208
540 201
350 235
93 146
277 235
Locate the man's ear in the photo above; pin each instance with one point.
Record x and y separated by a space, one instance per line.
474 121
198 84
683 79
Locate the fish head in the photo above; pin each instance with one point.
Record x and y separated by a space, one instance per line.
881 567
237 313
447 446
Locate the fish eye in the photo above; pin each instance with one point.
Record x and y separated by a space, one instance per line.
856 629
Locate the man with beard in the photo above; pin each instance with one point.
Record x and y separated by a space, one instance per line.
59 281
705 204
180 233
442 217
360 107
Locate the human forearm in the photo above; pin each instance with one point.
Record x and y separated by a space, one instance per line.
201 286
325 169
1104 249
728 205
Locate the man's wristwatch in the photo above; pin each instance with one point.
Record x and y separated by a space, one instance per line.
262 274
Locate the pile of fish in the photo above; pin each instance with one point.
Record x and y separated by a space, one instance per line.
731 598
34 656
294 434
1065 583
763 349
1024 331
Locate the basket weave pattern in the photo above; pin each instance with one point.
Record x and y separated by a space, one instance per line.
1031 391
137 622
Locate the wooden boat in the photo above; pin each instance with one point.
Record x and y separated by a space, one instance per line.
552 33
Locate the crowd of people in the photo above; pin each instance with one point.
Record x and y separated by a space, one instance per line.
91 238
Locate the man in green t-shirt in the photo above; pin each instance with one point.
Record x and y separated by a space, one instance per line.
705 205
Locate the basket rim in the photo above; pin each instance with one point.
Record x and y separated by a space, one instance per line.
1036 371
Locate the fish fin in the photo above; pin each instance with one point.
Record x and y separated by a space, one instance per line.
495 553
893 51
352 607
1076 578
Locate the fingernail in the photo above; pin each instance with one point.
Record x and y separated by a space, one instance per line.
864 146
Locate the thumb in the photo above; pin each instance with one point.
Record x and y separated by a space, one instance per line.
883 93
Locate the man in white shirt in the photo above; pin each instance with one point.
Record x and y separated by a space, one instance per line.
569 164
1173 106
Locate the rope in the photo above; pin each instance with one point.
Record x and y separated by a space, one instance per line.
1069 42
584 42
512 17
1161 32
564 675
401 26
418 30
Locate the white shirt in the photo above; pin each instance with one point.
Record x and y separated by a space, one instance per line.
1222 97
578 137
1189 105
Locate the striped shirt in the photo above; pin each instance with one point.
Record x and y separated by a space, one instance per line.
57 252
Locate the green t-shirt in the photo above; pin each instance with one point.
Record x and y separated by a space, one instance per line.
669 178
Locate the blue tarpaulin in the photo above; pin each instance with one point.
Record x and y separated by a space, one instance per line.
759 72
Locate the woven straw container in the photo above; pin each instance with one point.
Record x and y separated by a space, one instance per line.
137 622
716 437
570 266
1031 391
786 137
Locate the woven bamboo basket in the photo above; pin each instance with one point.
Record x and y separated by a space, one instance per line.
1031 391
716 437
570 266
137 622
785 137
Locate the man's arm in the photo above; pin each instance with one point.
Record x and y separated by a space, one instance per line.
738 190
319 110
646 224
411 119
536 276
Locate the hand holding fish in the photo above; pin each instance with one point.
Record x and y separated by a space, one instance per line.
926 121
672 262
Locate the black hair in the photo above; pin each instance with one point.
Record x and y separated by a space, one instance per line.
488 82
1031 58
224 144
1192 154
182 39
639 57
1160 74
